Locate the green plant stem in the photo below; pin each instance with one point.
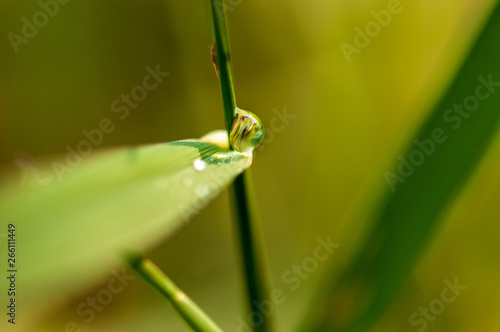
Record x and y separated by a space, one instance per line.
185 307
253 264
223 62
253 261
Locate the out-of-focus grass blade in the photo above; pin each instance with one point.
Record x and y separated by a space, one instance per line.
71 231
192 314
409 214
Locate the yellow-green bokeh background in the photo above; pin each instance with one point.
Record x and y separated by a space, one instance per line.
321 175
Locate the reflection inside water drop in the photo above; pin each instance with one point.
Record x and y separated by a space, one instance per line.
247 131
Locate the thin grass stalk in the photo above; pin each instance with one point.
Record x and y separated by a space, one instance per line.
192 314
253 264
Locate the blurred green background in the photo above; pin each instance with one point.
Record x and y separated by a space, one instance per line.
318 175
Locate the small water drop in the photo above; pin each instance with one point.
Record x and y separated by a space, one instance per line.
199 165
247 131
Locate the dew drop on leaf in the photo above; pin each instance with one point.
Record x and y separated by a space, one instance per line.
247 131
199 164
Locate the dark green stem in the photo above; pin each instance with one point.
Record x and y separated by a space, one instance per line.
252 259
223 62
254 265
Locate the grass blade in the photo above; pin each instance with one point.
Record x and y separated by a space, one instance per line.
71 231
454 143
196 318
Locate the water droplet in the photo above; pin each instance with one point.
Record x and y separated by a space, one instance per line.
199 165
247 131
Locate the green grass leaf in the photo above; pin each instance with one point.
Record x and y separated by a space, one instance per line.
450 145
73 230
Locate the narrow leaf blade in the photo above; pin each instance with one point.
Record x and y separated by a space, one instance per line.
409 214
72 231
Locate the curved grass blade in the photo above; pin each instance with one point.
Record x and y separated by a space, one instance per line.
452 143
70 232
192 314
